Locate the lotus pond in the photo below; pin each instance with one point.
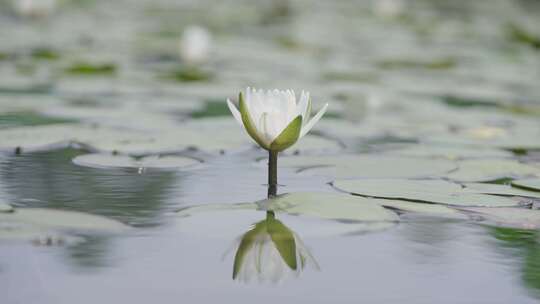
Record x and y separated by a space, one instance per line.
124 177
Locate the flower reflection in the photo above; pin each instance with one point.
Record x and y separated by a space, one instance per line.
270 252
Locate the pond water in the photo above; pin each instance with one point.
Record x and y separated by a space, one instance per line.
420 260
124 178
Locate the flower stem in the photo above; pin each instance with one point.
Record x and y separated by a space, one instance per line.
272 173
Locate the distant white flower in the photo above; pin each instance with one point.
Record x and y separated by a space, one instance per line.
389 8
273 118
34 8
195 45
270 252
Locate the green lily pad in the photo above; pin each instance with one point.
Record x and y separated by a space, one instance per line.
35 138
529 184
422 208
122 141
62 220
430 191
450 152
86 68
520 137
312 143
16 119
100 160
499 190
330 206
368 166
520 218
492 169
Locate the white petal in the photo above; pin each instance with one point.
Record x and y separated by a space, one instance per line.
235 112
313 121
303 107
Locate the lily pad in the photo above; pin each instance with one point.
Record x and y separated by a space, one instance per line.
450 152
100 160
422 208
368 166
430 191
86 68
530 184
124 141
62 220
312 143
330 206
520 218
492 169
499 190
16 119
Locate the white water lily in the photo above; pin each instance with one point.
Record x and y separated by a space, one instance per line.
274 119
195 45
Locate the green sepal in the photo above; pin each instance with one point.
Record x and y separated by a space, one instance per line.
248 124
288 136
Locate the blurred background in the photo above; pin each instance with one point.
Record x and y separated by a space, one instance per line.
182 57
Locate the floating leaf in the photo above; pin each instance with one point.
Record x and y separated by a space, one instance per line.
86 68
421 208
63 220
529 184
369 166
499 190
431 191
449 152
100 160
492 169
330 206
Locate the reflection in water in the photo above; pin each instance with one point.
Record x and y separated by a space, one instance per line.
525 245
270 252
50 180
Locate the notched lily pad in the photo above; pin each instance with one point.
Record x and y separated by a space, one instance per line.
430 191
101 160
330 206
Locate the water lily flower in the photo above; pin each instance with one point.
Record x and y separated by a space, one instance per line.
34 8
195 45
270 252
274 119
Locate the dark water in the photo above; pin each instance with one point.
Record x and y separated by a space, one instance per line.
172 260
